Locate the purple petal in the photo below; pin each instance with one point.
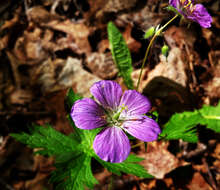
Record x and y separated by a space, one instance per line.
142 127
87 114
108 93
201 15
135 103
173 3
112 145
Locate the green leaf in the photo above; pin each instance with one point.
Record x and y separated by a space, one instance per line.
121 54
50 141
71 97
129 166
149 32
182 126
73 153
73 156
74 174
211 117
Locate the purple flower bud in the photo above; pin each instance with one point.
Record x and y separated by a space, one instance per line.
195 12
115 113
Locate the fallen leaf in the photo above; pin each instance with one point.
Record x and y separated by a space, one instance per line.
102 65
158 160
198 183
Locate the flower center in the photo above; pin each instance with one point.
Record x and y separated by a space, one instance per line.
113 117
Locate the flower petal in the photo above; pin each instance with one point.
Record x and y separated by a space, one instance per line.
173 3
142 127
108 93
135 103
201 15
112 145
87 114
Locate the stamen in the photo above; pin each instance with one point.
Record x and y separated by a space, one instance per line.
191 8
117 115
188 4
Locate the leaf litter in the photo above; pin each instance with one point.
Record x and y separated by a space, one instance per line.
46 47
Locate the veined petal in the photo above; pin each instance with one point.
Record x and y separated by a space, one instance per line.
173 3
135 103
112 145
142 127
87 114
108 93
201 15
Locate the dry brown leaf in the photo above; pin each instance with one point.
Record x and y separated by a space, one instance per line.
20 96
133 45
78 32
198 183
102 65
212 88
39 182
101 7
172 68
40 15
158 160
60 74
28 48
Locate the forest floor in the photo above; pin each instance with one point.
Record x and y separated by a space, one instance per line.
48 46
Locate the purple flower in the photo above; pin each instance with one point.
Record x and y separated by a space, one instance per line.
195 12
115 113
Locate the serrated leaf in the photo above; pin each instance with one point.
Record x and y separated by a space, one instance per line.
182 126
74 174
121 54
46 138
211 117
73 156
129 166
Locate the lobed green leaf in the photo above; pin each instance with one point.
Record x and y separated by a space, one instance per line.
130 166
211 117
183 125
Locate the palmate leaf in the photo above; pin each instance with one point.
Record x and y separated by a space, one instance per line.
130 166
121 54
47 140
73 154
73 160
183 125
74 174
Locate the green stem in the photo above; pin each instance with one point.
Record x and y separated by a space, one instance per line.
136 145
149 46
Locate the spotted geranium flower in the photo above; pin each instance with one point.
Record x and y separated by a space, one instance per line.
195 12
116 113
